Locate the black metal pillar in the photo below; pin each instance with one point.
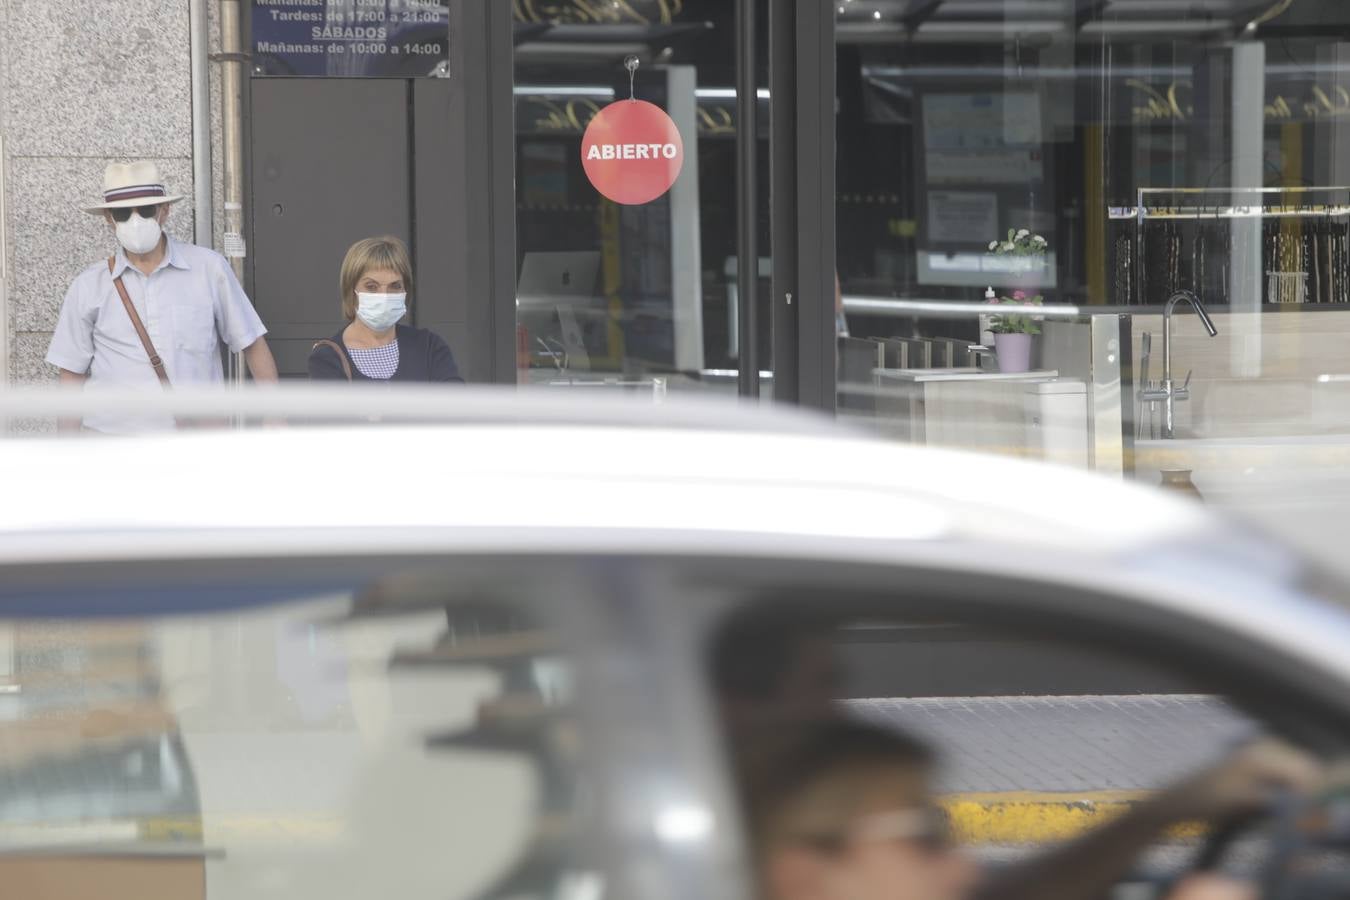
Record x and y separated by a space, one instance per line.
747 199
802 100
783 195
482 59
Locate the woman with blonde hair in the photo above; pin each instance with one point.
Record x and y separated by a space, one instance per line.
375 280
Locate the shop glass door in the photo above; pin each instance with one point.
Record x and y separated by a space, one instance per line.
641 298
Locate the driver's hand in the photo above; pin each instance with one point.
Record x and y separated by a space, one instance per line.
1246 783
1212 887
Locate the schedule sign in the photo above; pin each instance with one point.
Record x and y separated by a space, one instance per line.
350 38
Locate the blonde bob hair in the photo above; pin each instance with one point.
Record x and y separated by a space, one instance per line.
370 255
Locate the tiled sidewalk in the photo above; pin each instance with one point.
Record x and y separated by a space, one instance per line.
1065 744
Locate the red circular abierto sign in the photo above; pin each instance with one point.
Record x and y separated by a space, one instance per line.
632 152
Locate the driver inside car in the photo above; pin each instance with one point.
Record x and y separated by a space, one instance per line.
841 810
781 676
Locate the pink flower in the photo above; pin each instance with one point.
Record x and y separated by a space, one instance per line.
1019 295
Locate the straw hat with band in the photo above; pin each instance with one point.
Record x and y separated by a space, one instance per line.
131 185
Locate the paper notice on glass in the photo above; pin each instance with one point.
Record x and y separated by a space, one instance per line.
980 167
234 245
965 217
987 121
982 138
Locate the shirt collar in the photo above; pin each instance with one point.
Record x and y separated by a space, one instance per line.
173 256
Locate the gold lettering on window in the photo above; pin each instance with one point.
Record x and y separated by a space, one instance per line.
1161 105
1328 106
715 121
1154 104
570 117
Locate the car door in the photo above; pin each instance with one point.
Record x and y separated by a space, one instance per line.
506 725
1054 704
307 728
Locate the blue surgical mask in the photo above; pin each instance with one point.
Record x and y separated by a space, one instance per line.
380 312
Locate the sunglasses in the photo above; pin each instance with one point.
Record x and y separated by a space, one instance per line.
927 827
145 212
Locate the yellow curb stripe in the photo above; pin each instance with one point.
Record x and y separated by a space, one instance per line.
1040 818
171 828
1006 818
236 827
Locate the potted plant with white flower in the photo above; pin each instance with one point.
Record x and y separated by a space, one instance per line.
1013 332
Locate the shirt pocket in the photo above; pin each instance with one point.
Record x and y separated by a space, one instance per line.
194 326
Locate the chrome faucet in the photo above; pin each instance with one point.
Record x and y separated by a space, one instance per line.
1168 393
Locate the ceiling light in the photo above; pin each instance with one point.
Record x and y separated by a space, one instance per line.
1155 26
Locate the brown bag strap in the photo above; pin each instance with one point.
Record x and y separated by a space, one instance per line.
155 361
342 357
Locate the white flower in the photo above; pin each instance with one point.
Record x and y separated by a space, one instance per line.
1008 247
1038 241
1021 234
993 245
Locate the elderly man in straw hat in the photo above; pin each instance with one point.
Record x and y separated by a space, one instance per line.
154 314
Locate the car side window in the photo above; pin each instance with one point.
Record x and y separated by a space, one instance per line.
1033 742
330 747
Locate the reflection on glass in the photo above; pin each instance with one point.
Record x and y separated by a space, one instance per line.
634 298
329 749
1154 149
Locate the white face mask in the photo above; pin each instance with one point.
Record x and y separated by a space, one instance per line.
139 235
380 312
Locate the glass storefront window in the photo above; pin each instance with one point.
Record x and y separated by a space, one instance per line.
1167 182
635 297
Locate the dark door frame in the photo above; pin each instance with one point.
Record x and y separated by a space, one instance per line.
802 134
482 61
802 206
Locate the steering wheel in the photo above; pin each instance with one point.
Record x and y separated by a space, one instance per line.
1284 843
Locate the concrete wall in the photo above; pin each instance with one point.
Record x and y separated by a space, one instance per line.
80 89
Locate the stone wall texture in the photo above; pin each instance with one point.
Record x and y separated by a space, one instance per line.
78 92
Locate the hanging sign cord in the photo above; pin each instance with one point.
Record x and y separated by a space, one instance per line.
631 64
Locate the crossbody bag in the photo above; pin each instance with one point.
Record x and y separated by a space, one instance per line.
342 357
155 361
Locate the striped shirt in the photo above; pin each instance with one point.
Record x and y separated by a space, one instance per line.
379 363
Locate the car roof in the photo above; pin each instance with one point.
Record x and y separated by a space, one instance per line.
507 471
506 474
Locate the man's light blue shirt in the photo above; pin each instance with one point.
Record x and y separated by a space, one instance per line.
190 304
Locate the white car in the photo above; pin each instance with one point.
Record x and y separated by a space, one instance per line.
472 650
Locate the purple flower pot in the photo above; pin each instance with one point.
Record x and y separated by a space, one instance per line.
1014 353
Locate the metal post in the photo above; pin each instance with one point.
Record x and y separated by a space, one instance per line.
4 286
1247 146
482 59
747 200
232 133
501 109
203 221
783 196
802 72
816 129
